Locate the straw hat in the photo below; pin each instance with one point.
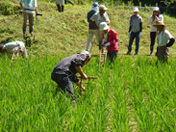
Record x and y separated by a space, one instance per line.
103 26
102 7
159 23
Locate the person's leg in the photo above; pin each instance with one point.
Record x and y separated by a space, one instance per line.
89 40
100 38
25 23
65 83
112 55
63 2
132 36
152 41
137 42
31 23
58 7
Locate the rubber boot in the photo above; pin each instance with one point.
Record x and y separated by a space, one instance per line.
62 8
24 32
129 52
31 30
151 50
59 8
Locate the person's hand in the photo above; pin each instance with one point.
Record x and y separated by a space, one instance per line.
106 44
129 34
84 76
82 88
140 34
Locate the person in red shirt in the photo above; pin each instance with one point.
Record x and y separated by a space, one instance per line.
110 40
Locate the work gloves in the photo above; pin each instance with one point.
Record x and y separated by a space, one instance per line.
106 44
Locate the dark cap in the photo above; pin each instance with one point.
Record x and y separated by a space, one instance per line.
1 47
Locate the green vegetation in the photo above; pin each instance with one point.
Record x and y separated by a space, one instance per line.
137 94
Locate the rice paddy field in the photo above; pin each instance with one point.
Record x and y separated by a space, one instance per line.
137 94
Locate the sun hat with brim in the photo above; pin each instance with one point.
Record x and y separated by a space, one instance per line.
159 23
135 9
102 7
1 47
103 26
156 9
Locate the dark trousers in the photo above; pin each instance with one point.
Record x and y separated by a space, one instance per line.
64 83
112 55
132 37
152 40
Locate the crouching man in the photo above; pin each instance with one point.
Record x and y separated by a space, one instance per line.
14 48
65 72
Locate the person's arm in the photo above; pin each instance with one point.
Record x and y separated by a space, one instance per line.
130 29
13 56
80 71
170 43
140 27
150 21
79 85
94 24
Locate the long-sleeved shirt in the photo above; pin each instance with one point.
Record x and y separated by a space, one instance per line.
135 23
112 39
163 37
29 4
153 21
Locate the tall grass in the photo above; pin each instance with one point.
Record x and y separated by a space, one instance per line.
137 94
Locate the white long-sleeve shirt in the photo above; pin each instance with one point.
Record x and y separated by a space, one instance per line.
151 22
29 4
14 47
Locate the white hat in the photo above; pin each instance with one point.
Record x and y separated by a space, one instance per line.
103 26
102 7
156 9
135 9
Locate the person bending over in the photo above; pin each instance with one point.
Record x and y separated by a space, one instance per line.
65 71
14 48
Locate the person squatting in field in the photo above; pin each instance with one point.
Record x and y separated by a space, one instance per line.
14 48
135 30
96 19
65 71
153 18
30 6
92 28
165 40
110 40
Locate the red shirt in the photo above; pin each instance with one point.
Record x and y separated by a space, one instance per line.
113 39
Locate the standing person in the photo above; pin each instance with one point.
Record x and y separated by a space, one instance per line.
96 19
165 40
14 48
110 40
153 18
30 6
60 5
92 29
135 30
65 71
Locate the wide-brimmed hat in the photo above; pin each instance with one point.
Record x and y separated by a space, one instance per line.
135 9
103 26
159 23
156 9
102 7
